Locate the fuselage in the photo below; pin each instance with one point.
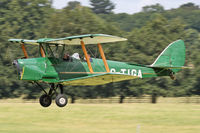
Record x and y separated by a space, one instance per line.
57 70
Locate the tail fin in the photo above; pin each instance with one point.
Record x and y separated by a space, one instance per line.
173 56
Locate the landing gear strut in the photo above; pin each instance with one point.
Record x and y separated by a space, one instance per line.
46 99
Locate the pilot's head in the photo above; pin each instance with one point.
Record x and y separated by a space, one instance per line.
66 56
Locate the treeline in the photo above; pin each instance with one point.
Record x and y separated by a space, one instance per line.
148 33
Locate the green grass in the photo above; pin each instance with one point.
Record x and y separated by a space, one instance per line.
100 118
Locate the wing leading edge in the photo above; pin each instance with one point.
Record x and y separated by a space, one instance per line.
73 40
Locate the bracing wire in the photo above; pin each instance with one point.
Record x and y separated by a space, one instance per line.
95 57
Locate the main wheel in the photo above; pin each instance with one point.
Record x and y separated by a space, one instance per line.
45 100
61 100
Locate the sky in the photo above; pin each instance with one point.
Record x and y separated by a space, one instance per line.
130 6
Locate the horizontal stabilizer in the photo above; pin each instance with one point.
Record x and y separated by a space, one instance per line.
171 67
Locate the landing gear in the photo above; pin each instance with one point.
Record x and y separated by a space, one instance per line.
46 99
61 100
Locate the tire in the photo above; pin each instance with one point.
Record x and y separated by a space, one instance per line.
45 100
61 100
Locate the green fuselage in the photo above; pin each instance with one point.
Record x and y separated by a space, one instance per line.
57 70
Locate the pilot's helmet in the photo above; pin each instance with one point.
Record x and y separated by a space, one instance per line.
76 56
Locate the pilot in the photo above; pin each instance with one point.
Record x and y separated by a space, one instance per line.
66 57
76 56
90 59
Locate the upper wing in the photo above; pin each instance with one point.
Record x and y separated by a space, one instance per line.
34 42
73 40
99 79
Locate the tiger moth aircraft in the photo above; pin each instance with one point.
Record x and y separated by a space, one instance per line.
73 70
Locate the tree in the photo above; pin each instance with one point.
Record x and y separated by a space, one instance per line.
102 6
153 8
189 13
77 21
190 6
20 19
146 43
73 5
148 34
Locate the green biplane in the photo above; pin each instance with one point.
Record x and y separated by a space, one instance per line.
72 70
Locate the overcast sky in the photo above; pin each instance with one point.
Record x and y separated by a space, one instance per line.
131 6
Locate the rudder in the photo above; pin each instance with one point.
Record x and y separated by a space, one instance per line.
172 56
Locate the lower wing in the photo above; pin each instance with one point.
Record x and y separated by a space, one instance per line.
98 79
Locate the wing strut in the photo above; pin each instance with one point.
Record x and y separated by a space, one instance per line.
103 57
24 50
42 51
86 56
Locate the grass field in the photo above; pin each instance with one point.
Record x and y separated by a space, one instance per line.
100 118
